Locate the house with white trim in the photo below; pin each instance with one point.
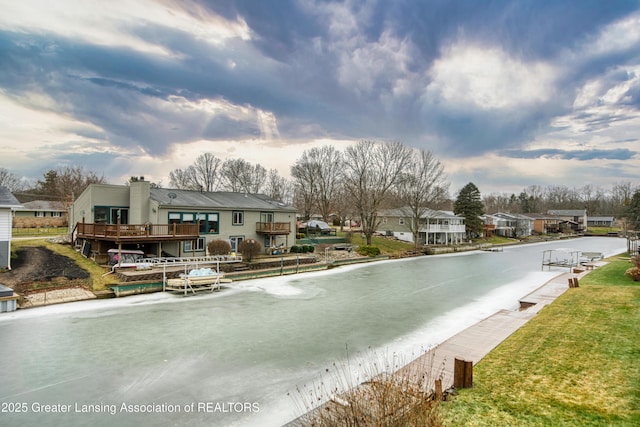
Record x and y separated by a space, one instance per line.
508 224
434 228
8 203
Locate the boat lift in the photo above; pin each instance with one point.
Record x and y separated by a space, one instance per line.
561 257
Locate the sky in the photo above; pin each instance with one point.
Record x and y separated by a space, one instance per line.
506 94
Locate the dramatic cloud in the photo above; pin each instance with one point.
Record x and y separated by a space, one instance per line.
507 94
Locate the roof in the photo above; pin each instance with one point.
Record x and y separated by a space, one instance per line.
405 212
8 200
512 215
222 200
600 218
567 212
43 205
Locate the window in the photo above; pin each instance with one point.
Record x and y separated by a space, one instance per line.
212 223
266 217
237 218
208 221
235 241
401 221
203 223
194 246
121 214
39 214
100 214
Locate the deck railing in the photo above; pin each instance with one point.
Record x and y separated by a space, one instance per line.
88 230
273 227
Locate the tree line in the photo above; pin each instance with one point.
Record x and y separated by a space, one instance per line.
357 182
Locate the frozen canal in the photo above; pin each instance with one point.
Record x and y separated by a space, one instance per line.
230 358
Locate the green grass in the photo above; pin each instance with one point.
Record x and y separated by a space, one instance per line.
574 364
603 230
39 231
387 246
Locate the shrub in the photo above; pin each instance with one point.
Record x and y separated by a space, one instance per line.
308 248
295 249
249 248
634 273
219 247
300 236
368 250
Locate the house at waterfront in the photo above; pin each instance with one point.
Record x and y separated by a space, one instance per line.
8 203
41 213
508 225
434 228
570 219
601 221
179 223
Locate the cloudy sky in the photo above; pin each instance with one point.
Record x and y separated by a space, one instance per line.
507 94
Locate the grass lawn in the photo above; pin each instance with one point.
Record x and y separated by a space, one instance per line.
387 246
575 364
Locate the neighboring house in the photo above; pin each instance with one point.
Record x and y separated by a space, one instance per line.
545 224
435 227
601 221
7 203
41 213
508 225
571 219
180 223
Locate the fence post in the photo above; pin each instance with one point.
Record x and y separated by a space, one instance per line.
438 386
462 373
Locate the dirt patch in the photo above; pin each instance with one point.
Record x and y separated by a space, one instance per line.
38 265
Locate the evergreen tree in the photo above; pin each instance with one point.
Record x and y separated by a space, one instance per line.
633 211
469 205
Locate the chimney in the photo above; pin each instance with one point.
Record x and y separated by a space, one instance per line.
139 201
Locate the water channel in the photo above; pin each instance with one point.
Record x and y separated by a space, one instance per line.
231 357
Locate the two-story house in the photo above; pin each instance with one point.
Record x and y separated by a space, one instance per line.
7 203
434 227
508 224
571 219
180 223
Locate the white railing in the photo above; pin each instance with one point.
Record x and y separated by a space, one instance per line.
190 260
432 228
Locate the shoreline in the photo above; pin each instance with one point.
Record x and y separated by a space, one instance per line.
471 344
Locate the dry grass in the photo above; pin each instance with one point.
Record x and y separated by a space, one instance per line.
369 392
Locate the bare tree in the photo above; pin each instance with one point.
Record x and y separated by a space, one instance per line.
319 174
278 187
12 181
241 176
371 170
422 186
66 183
305 180
203 174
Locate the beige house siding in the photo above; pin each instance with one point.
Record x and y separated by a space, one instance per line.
143 207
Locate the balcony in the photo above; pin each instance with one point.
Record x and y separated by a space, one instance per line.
273 228
137 232
443 228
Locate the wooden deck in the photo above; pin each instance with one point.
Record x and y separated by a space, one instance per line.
137 232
